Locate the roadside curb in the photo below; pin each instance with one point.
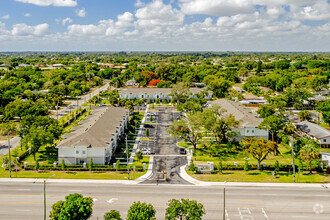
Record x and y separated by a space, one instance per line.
149 172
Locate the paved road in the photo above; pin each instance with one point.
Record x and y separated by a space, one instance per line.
15 141
167 159
25 200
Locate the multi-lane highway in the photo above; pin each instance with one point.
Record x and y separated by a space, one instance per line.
25 200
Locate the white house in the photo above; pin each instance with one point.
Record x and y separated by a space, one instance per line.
95 137
249 122
152 93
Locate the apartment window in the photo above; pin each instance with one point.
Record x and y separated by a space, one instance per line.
247 131
77 151
252 131
324 140
84 152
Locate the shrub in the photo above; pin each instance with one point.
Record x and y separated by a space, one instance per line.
90 165
246 165
147 132
158 101
36 167
112 215
63 164
5 160
276 167
117 165
192 166
220 166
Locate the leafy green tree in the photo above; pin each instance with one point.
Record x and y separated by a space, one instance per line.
139 155
141 211
90 165
184 210
117 165
259 148
324 108
75 207
215 121
266 110
220 166
188 129
219 86
309 152
180 92
112 215
304 115
147 132
273 124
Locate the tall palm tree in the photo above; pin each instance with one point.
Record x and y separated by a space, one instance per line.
310 152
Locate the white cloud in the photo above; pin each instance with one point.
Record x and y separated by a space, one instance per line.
216 7
27 15
24 29
64 21
7 16
60 3
139 3
318 11
105 27
157 13
81 12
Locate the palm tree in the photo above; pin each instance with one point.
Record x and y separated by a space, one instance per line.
310 152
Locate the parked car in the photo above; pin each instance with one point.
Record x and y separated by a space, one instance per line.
148 125
183 151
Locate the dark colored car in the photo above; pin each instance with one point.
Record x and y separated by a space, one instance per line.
148 126
183 151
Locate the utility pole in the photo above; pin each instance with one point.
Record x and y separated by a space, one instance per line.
57 111
45 196
9 154
224 202
127 158
44 199
293 166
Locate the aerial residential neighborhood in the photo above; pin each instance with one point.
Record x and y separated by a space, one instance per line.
164 109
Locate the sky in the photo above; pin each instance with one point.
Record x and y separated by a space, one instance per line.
165 25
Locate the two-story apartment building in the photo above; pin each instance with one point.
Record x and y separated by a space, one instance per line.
314 131
96 137
152 93
248 121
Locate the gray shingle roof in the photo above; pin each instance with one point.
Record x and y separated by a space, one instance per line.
97 129
240 112
313 129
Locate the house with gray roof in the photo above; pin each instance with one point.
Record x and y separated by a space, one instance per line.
152 93
314 131
248 121
96 137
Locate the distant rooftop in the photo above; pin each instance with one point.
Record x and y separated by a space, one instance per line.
240 112
97 129
163 91
313 129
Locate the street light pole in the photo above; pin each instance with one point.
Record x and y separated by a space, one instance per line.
293 166
45 196
127 158
9 154
224 202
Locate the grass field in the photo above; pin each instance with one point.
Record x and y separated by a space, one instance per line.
113 175
261 176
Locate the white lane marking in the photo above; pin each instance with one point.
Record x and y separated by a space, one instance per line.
24 189
94 200
227 216
299 216
264 212
112 200
74 190
124 191
23 210
270 194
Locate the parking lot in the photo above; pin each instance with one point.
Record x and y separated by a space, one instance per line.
167 157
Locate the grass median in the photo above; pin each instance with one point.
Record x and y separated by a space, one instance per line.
261 177
71 175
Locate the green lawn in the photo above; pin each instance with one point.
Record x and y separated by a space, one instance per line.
261 176
113 175
184 144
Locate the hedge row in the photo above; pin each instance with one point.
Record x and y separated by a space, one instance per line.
73 118
80 168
